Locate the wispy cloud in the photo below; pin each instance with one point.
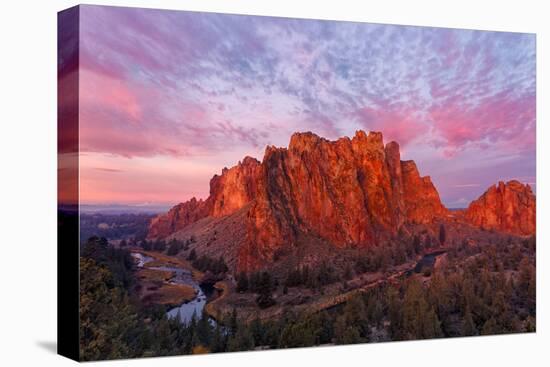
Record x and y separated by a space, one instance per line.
158 83
105 169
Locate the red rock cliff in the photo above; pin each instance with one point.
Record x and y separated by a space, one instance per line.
349 192
229 192
509 207
235 188
421 198
177 218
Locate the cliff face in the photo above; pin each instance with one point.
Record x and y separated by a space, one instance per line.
422 200
228 193
234 188
507 207
349 192
177 218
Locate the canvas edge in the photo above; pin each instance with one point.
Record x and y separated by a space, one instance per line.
68 279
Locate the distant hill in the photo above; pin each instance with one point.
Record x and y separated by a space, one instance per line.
124 208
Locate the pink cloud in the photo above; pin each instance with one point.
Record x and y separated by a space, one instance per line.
128 118
112 93
501 119
401 125
226 85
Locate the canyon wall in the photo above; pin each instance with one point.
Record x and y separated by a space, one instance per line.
507 207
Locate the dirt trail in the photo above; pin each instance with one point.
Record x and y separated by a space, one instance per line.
331 301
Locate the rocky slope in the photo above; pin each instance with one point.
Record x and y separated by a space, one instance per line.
177 218
228 193
507 207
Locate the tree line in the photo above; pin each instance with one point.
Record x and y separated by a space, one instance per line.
206 263
483 291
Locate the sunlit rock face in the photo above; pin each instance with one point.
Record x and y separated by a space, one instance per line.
507 207
350 192
421 198
229 192
177 218
235 188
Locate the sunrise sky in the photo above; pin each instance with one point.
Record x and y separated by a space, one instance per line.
167 99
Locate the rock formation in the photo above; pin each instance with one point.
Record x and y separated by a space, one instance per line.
177 218
349 192
234 188
422 201
228 193
507 207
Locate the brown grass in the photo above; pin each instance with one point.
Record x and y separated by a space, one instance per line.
161 259
171 294
151 275
154 283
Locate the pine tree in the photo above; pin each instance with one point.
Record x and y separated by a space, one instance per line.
204 329
468 325
218 342
326 330
442 234
241 341
264 299
348 274
395 313
490 327
192 255
108 321
233 322
428 242
257 330
345 333
242 282
175 248
431 325
417 244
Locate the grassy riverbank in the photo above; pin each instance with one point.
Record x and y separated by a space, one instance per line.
154 285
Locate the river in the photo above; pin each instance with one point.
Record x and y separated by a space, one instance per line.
186 310
427 261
